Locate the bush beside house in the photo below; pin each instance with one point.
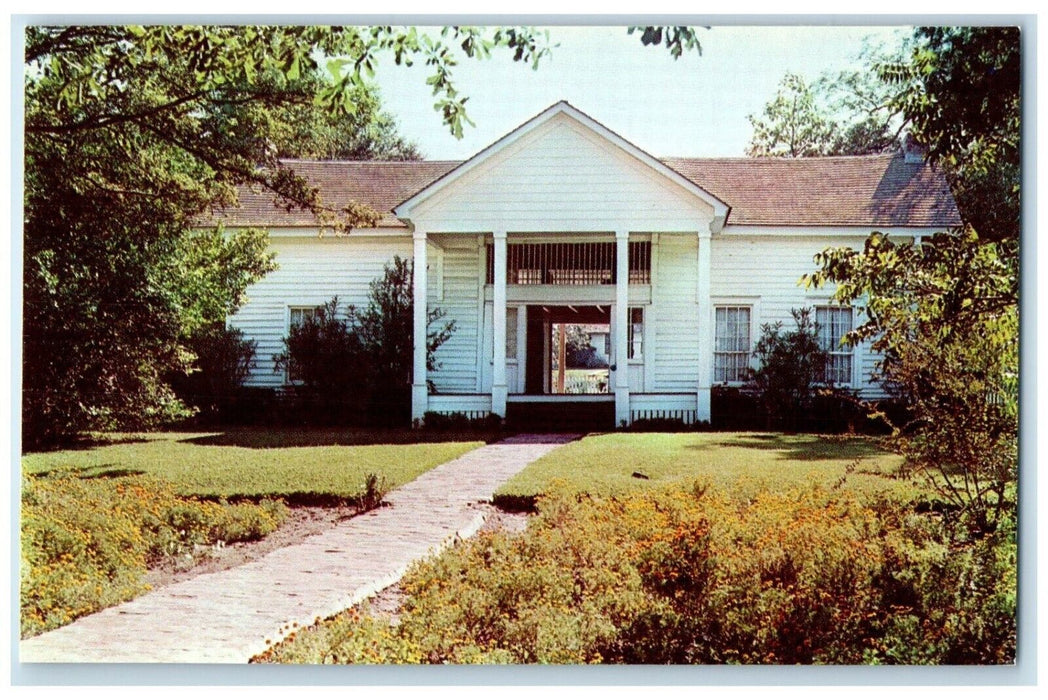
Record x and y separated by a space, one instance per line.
348 366
353 367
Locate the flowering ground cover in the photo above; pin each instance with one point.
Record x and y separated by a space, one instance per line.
735 548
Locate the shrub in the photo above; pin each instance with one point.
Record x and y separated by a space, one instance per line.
355 367
325 355
87 543
386 329
832 410
254 405
791 365
446 422
818 576
223 361
375 489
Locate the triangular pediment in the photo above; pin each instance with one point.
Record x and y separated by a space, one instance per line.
558 165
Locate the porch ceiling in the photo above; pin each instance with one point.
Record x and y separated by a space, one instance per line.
572 313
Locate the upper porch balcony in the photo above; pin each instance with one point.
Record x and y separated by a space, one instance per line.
591 263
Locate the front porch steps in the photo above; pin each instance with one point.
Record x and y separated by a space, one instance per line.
561 416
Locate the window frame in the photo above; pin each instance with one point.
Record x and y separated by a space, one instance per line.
838 350
632 356
513 312
751 305
291 309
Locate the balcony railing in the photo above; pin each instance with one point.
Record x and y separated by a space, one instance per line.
570 263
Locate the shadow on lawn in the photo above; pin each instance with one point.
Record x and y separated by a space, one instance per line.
269 438
92 471
803 448
86 442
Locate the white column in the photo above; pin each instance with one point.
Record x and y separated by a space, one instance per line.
705 329
622 301
419 390
498 369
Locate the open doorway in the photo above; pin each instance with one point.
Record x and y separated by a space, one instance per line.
569 350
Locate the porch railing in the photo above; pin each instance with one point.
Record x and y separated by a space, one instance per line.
570 263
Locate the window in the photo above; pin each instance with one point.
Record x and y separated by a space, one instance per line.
511 332
731 356
834 322
297 315
635 334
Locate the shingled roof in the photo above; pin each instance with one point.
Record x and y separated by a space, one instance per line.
882 190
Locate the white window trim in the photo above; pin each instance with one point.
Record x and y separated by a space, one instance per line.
852 349
637 359
288 308
755 324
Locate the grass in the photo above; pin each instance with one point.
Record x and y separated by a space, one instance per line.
94 518
298 465
741 463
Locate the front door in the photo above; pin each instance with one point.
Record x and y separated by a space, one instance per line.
568 350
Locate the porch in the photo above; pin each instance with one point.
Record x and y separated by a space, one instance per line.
544 297
563 213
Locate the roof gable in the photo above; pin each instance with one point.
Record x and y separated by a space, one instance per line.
560 110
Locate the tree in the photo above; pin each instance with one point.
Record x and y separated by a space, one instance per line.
133 134
944 311
944 320
792 125
847 113
579 350
368 133
960 91
866 119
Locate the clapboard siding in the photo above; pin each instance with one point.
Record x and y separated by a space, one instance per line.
312 270
457 358
673 316
769 268
562 177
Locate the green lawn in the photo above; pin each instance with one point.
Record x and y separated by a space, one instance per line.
744 463
302 464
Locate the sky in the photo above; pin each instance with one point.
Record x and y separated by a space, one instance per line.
694 106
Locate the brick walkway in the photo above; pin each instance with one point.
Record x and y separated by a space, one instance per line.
227 616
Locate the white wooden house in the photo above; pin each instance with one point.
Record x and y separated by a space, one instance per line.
564 221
